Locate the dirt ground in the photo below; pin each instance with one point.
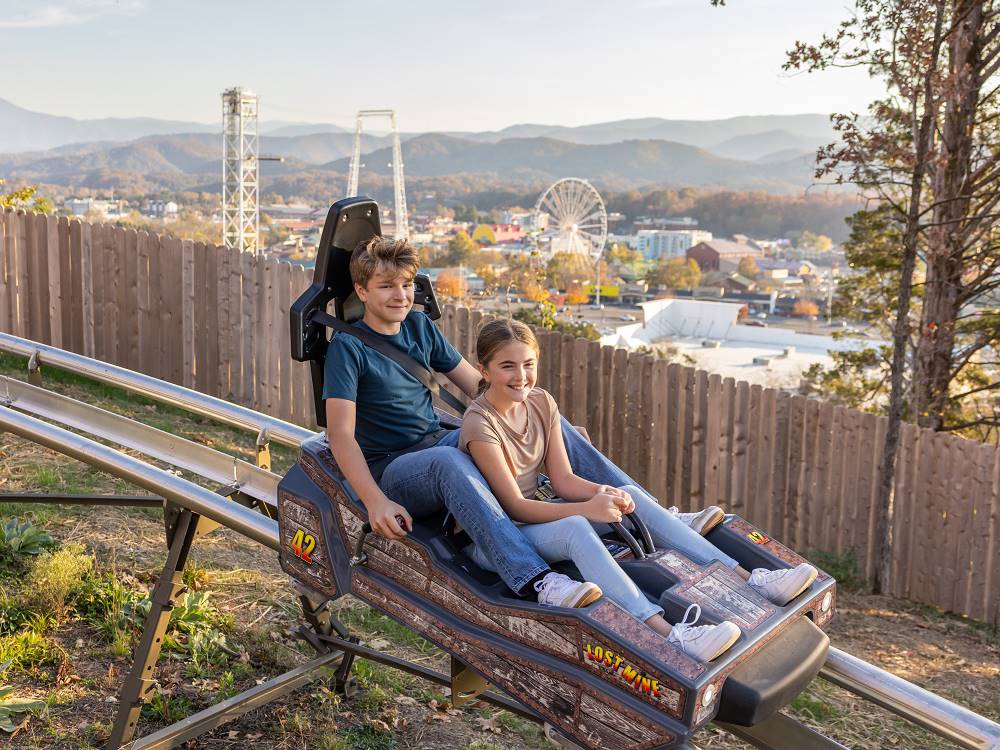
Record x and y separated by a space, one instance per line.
951 656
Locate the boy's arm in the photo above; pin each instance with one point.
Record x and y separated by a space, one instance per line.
466 377
382 512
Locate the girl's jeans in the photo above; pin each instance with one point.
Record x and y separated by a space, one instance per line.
575 538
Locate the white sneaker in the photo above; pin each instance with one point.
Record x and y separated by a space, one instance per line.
557 590
702 521
781 586
703 642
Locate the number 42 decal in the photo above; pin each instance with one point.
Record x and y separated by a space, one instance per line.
303 545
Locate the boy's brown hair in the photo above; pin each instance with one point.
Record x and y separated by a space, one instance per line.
380 254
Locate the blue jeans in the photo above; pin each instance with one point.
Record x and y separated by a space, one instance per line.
577 539
426 481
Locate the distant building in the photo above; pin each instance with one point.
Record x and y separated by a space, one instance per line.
668 243
506 234
157 209
106 209
722 255
645 222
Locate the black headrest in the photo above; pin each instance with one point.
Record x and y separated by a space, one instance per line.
349 223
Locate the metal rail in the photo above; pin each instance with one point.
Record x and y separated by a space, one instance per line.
158 390
951 721
185 454
187 494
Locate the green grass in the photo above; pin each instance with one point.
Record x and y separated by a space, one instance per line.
372 623
811 706
367 738
28 650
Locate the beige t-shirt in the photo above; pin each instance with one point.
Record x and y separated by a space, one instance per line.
525 450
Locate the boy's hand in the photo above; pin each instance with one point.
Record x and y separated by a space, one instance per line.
390 520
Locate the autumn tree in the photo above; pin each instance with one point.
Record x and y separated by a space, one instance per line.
26 197
888 155
622 256
675 273
565 269
451 285
461 251
805 308
576 295
748 267
809 241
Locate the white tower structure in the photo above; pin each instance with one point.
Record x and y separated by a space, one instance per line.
399 187
240 211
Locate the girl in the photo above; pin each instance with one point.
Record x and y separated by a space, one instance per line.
512 431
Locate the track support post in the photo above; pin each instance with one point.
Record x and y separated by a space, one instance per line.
182 528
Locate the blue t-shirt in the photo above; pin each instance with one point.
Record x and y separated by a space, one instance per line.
394 410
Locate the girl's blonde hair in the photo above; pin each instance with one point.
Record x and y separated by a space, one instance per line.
498 333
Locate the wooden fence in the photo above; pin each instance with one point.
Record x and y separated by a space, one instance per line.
217 320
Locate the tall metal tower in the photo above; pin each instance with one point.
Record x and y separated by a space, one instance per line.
240 210
399 188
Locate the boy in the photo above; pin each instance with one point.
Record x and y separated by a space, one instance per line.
388 441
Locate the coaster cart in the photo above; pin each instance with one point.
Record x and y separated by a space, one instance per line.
599 677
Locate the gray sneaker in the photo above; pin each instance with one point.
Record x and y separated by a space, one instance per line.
703 642
702 521
781 586
558 590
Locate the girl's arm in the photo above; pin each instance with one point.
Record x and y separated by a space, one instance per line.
566 484
492 463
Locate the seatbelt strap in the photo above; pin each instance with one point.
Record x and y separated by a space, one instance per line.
413 368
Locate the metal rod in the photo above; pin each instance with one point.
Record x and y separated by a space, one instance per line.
177 451
960 725
158 390
134 501
501 701
782 732
231 708
186 494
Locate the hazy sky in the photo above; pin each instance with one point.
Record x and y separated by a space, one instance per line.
443 64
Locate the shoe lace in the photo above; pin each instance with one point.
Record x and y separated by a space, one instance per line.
684 627
542 585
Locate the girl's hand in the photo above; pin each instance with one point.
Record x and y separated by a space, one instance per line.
602 508
626 503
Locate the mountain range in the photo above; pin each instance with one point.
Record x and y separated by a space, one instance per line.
772 153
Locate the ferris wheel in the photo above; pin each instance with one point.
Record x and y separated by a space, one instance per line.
576 219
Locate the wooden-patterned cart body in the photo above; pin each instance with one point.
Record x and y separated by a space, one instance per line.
596 674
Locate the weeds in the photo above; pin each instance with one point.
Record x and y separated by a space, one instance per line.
27 649
53 576
168 708
843 567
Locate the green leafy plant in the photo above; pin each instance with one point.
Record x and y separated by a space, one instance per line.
12 705
18 540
